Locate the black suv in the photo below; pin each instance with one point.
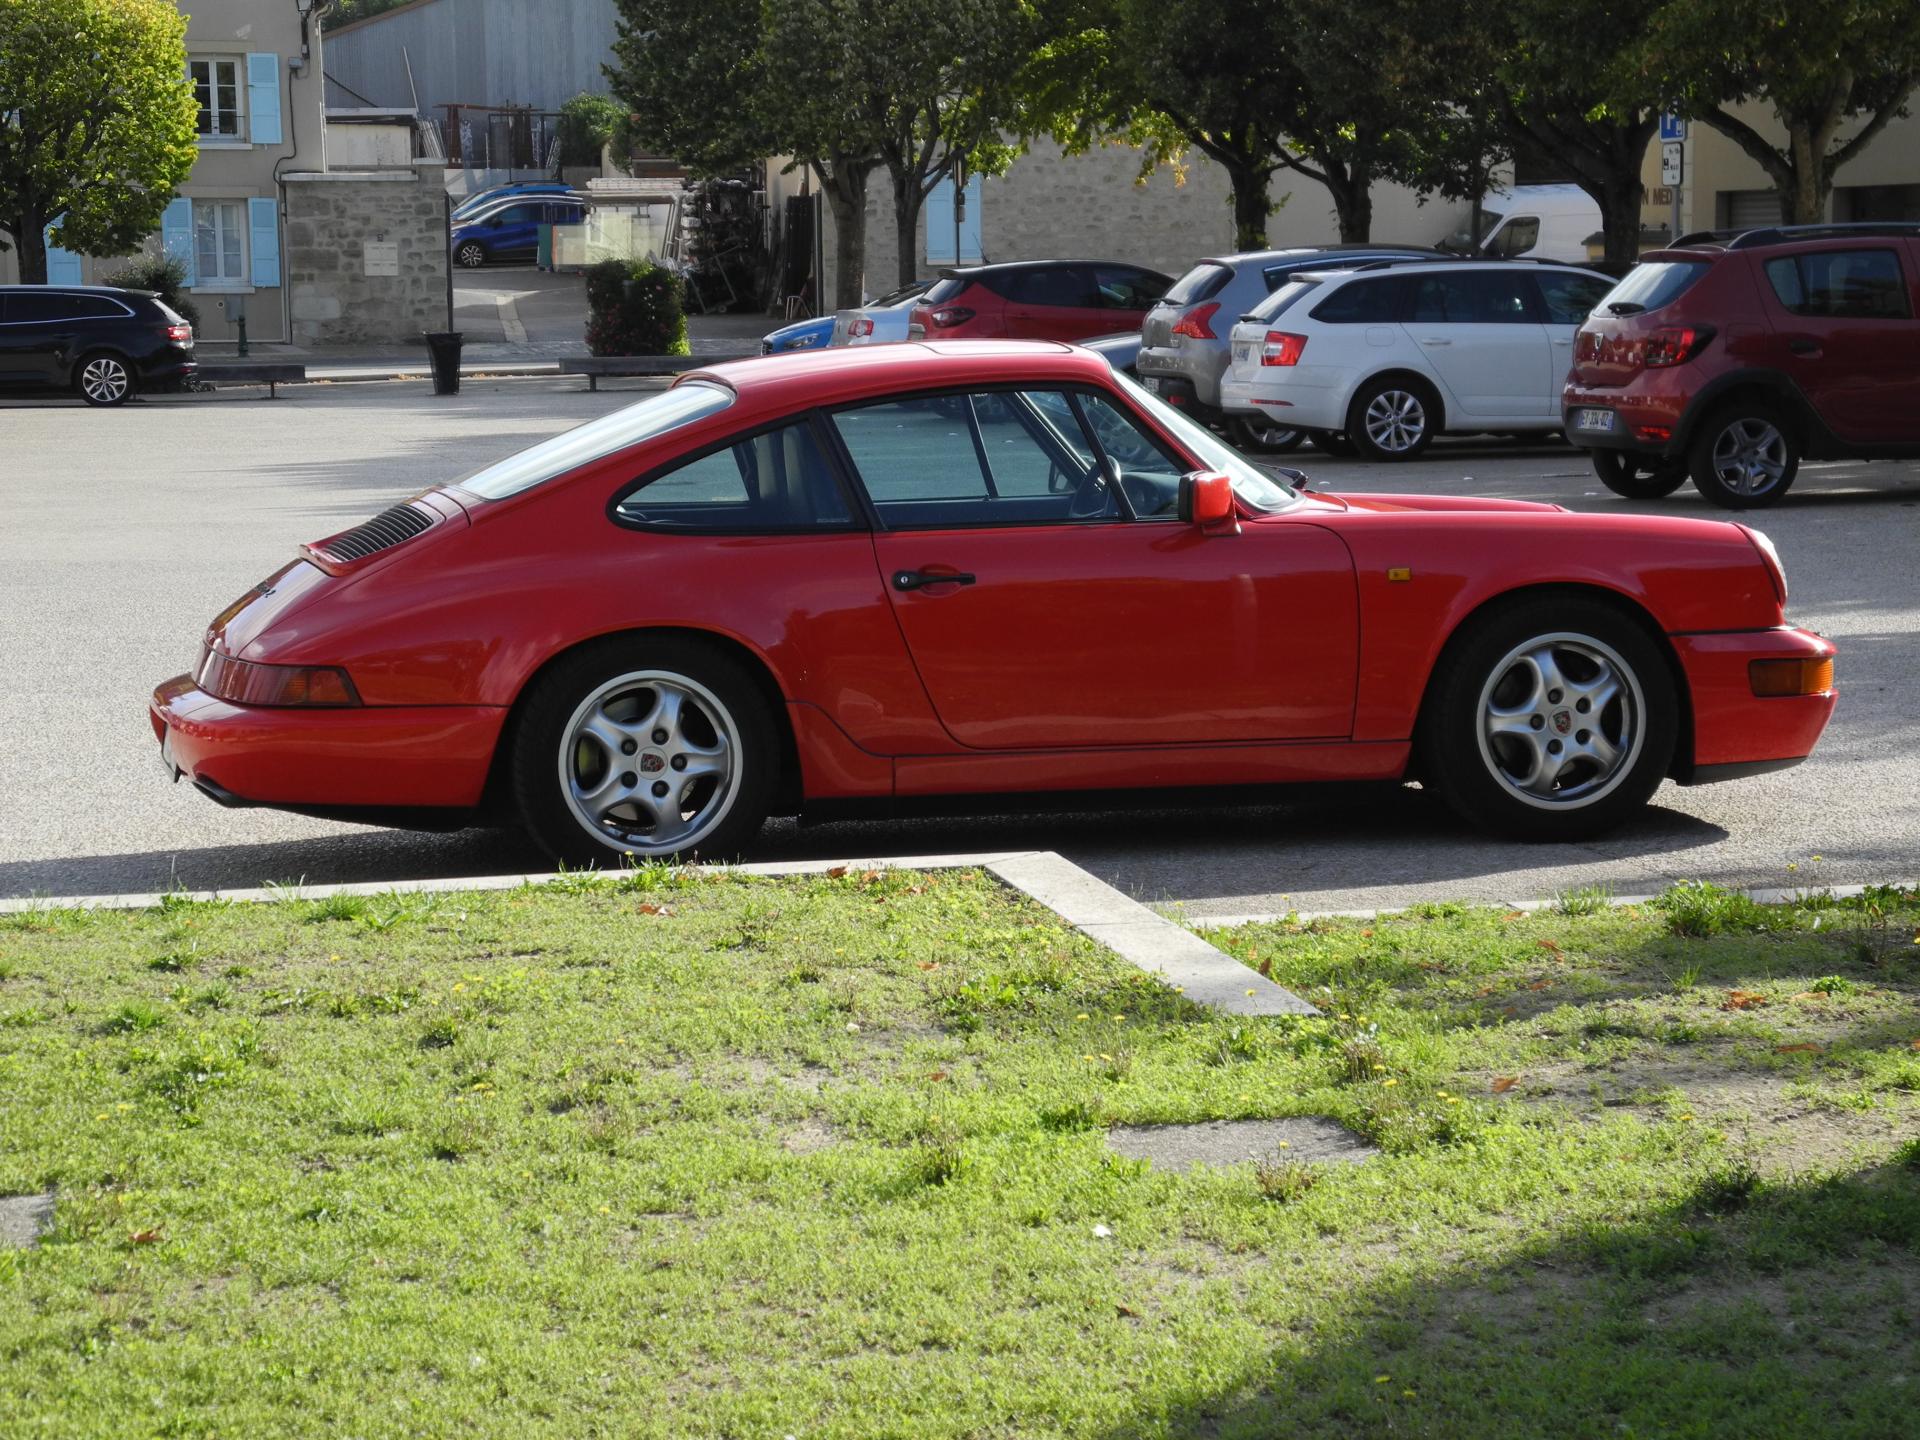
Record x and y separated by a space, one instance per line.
101 343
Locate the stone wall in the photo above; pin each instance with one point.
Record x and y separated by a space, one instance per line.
339 227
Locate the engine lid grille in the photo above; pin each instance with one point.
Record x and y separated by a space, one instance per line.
389 528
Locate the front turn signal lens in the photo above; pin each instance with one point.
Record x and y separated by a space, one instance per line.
246 682
1772 678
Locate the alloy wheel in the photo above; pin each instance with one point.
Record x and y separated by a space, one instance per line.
472 256
1562 719
650 762
104 380
1395 421
1750 456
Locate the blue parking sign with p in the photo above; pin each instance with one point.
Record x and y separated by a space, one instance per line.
1672 127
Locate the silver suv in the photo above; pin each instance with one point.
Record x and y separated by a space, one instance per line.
1184 341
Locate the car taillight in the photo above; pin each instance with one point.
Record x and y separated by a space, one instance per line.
1194 324
179 332
860 327
1675 345
246 682
950 315
1282 348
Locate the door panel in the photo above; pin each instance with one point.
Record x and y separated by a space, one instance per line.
1479 333
1844 331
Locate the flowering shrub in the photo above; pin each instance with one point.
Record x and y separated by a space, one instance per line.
633 308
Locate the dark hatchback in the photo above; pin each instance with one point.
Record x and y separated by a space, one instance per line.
102 344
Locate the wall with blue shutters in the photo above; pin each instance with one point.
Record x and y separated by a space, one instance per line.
939 213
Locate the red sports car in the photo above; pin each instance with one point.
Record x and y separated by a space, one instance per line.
945 569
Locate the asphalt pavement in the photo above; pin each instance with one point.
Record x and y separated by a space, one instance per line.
123 532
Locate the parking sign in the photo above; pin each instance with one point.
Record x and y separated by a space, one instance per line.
1671 162
1672 127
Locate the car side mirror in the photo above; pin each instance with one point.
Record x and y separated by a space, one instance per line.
1206 499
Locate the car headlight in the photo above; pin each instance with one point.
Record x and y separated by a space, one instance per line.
1770 553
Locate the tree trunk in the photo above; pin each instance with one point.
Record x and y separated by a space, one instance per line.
1251 207
1803 193
30 241
1353 204
907 201
1618 197
845 185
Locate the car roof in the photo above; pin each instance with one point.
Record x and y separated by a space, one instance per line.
1763 236
1307 252
1447 267
117 291
775 384
1010 267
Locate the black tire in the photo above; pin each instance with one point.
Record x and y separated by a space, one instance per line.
1251 432
1483 678
103 379
1393 417
1638 477
1330 442
723 714
471 254
1744 456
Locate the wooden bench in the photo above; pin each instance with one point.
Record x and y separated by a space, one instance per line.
594 366
246 373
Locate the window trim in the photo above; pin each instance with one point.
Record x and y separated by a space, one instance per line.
859 520
223 284
1798 259
241 137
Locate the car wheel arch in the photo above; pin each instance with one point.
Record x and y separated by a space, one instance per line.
789 792
1619 601
1777 392
1426 384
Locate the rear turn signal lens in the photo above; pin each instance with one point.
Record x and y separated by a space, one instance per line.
1194 324
860 328
1282 348
1675 345
244 682
1772 678
948 316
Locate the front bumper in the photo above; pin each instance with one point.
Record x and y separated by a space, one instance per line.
371 757
1736 732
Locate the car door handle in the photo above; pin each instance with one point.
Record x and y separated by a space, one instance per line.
1431 340
908 580
1804 347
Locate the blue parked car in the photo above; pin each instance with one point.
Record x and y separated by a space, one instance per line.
482 198
801 335
509 229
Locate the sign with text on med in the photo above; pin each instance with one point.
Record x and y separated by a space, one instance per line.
380 257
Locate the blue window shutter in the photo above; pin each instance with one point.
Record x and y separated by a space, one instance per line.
970 224
938 209
176 234
63 266
263 98
263 220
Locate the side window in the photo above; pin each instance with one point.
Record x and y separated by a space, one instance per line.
1477 297
1121 287
1361 302
776 480
994 458
97 307
1570 298
1063 285
1149 472
1517 238
1842 284
38 309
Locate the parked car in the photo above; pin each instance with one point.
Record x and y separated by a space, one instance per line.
882 322
1121 350
909 573
1730 359
1037 300
509 228
810 334
1184 345
1532 222
104 344
480 199
1391 354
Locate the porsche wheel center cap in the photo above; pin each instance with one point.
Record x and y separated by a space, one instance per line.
1562 721
652 764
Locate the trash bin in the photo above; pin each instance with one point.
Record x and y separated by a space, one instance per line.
443 349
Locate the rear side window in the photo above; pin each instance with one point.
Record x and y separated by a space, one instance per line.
1121 287
597 439
38 309
1362 302
1067 286
944 291
1569 296
97 307
1654 283
1285 298
1841 284
1202 282
776 480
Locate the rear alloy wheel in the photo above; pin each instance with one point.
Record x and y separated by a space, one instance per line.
1392 419
471 254
1550 721
1256 432
1743 458
103 380
648 749
1638 477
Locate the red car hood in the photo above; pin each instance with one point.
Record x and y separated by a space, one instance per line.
1400 503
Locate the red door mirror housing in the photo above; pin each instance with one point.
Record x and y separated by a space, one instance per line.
1206 500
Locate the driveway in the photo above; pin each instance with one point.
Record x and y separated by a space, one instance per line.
126 530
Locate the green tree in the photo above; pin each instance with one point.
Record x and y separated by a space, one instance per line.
588 122
97 123
345 12
1834 75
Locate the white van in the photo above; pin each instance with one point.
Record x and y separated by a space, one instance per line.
1540 222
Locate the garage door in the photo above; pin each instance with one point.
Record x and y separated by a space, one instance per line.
1748 209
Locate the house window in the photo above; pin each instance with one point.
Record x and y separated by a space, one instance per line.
219 245
216 86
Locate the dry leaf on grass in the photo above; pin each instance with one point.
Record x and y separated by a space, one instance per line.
938 1075
929 964
1265 967
146 1237
1805 1047
836 872
1743 1000
1504 1083
1549 945
1539 984
649 908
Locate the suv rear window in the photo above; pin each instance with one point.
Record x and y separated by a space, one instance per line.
1841 284
1653 283
1202 282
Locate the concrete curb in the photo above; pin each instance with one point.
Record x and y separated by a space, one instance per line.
1154 943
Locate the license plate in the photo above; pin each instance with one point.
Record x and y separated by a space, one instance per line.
1592 422
1150 383
1242 352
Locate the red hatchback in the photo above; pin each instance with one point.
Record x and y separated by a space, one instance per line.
1731 358
922 571
1037 300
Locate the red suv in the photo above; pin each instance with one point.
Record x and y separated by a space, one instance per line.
1037 300
1730 358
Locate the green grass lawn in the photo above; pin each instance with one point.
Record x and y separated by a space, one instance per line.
688 1156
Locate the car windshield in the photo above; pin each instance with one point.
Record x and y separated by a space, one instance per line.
1253 485
597 439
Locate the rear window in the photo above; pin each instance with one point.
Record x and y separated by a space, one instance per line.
1654 283
1285 298
1202 282
945 290
597 439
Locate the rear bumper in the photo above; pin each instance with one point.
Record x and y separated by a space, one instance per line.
1649 424
1735 732
1307 401
366 758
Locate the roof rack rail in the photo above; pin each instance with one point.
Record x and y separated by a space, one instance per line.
1783 234
1394 260
1701 237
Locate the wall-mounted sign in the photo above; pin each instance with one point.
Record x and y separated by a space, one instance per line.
1672 162
1672 127
381 257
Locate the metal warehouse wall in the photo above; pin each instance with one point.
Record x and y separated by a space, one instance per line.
478 52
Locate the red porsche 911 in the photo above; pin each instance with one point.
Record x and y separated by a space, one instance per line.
963 569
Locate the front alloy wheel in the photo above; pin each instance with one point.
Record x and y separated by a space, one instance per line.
472 255
104 380
1561 720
